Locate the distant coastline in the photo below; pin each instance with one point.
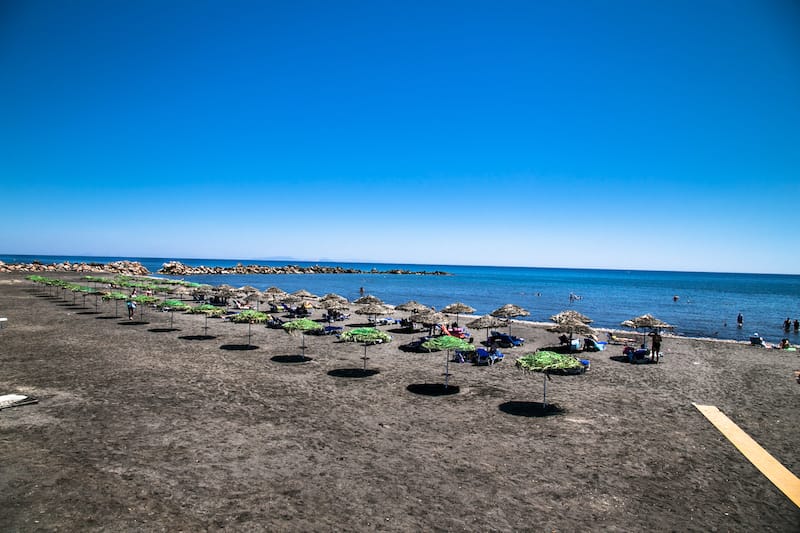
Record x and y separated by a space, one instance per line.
176 268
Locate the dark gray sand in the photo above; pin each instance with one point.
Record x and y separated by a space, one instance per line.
139 428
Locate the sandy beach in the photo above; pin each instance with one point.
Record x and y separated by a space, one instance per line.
143 426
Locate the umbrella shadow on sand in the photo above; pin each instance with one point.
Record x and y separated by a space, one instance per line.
198 337
353 372
619 358
433 389
297 358
530 409
238 347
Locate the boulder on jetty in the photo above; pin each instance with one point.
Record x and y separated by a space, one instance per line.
126 268
176 268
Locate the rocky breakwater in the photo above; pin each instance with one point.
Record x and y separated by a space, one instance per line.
176 268
126 268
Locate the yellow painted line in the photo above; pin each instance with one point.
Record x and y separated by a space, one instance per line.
780 476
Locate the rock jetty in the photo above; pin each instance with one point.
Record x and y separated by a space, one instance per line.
125 268
176 268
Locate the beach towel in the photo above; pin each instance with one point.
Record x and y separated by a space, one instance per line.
15 400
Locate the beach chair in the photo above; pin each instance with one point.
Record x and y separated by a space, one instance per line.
274 322
453 333
638 355
505 340
239 305
591 345
461 333
614 339
486 357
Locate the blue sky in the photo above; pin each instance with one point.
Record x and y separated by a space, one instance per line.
598 134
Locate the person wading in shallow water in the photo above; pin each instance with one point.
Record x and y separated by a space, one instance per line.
740 320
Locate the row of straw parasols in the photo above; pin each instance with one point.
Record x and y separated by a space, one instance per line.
568 322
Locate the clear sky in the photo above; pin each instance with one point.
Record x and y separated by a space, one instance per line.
601 134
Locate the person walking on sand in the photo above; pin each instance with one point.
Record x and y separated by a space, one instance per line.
131 304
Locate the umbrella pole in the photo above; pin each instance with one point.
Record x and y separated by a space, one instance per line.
544 401
171 313
205 327
249 334
365 356
447 369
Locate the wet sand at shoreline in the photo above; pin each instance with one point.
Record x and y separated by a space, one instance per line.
142 428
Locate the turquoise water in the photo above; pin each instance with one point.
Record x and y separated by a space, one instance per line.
707 303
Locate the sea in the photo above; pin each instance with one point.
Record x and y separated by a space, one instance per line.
697 304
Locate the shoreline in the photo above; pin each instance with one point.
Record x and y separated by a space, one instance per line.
83 269
707 324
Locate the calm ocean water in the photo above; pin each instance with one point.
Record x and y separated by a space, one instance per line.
707 304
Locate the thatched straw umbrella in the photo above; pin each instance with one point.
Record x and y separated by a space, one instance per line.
368 299
646 321
274 292
570 315
333 304
335 297
510 311
573 326
273 295
488 322
413 307
458 308
249 294
374 309
302 293
429 319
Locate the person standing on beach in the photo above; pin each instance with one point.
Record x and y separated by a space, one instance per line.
656 347
740 320
131 304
